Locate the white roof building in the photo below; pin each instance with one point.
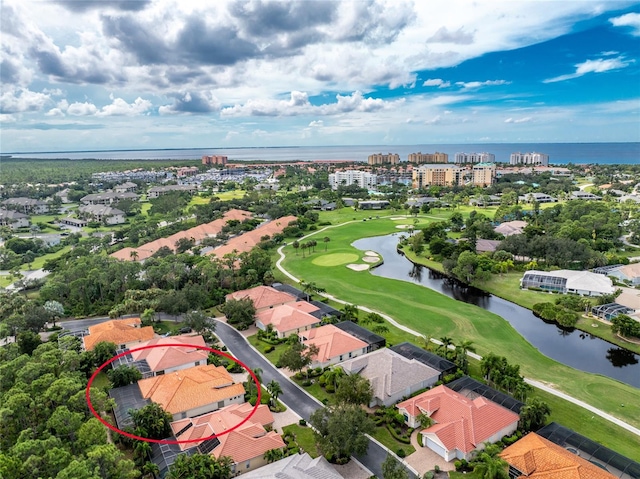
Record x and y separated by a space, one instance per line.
583 283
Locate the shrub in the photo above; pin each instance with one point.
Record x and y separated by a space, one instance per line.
306 383
400 452
268 349
419 437
302 422
457 465
330 388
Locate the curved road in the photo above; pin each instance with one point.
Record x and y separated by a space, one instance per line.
533 382
294 397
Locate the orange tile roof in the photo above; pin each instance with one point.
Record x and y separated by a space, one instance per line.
168 357
246 241
219 421
263 297
198 233
460 423
539 458
190 388
286 318
332 342
118 331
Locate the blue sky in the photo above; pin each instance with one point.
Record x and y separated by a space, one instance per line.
126 74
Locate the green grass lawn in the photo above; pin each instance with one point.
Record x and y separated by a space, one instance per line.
382 434
5 280
436 315
39 262
101 381
304 438
229 195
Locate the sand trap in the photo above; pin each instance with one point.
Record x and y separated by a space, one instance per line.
371 259
402 227
398 218
358 267
371 253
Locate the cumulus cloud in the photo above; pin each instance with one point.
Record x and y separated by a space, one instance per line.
82 109
20 100
599 65
460 37
628 20
84 5
191 102
477 84
439 82
316 124
120 107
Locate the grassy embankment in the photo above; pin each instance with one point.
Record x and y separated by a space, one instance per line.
436 315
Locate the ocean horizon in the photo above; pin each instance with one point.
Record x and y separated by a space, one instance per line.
559 153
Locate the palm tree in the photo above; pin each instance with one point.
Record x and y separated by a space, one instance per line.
350 312
444 347
326 240
296 245
333 375
275 390
273 455
134 255
534 414
462 349
150 469
489 465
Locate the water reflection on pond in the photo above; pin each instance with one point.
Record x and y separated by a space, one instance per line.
566 345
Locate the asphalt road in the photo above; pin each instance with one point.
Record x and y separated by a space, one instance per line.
295 398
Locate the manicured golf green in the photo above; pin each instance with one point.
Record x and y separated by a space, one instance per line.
436 315
335 259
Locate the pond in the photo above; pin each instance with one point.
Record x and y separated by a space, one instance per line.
572 347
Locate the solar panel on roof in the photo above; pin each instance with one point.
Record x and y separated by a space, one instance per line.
209 445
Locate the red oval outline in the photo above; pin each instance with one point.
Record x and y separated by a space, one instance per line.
168 441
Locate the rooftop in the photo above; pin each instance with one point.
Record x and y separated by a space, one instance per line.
262 296
583 280
332 342
162 358
296 466
288 317
118 331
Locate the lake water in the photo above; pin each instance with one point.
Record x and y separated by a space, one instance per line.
559 153
574 348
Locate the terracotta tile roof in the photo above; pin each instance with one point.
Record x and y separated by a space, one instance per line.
190 388
247 442
539 458
160 359
263 297
286 317
332 342
221 420
246 241
460 423
118 331
198 233
389 372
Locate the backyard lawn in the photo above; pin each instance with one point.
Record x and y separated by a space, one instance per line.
304 438
435 315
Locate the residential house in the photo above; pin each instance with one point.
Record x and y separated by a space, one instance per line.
246 445
126 187
63 195
584 195
296 466
27 206
461 425
392 376
288 319
628 273
486 245
13 219
374 341
565 281
509 228
373 204
158 191
107 198
163 359
535 457
263 297
194 391
75 222
440 364
124 333
537 197
485 200
334 345
103 214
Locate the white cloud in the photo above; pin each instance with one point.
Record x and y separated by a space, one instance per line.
18 100
628 20
477 84
82 109
599 65
526 119
316 123
120 107
55 112
439 82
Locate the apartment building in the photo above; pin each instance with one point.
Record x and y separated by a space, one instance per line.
438 175
380 159
214 160
483 174
462 158
436 157
352 177
532 158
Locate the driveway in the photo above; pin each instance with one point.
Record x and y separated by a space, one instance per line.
295 398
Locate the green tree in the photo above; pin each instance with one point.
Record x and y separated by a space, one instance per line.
240 313
340 432
124 375
297 356
354 389
55 310
28 341
350 313
326 240
152 421
534 414
274 390
392 469
488 465
273 455
199 321
200 466
103 351
91 433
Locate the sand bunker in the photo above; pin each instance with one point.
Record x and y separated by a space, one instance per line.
371 259
402 227
358 267
371 253
397 218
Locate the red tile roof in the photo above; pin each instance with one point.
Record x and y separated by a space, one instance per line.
286 317
460 423
160 359
539 458
118 331
246 442
263 297
190 388
332 342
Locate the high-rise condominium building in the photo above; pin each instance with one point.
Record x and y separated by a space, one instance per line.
214 160
475 158
428 157
483 174
438 175
380 159
532 158
352 177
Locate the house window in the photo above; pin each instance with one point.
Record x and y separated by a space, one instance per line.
349 354
341 357
183 415
160 373
220 404
248 464
197 363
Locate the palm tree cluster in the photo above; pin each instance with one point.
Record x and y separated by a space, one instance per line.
502 375
458 353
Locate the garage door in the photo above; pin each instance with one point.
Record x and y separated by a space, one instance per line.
436 447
